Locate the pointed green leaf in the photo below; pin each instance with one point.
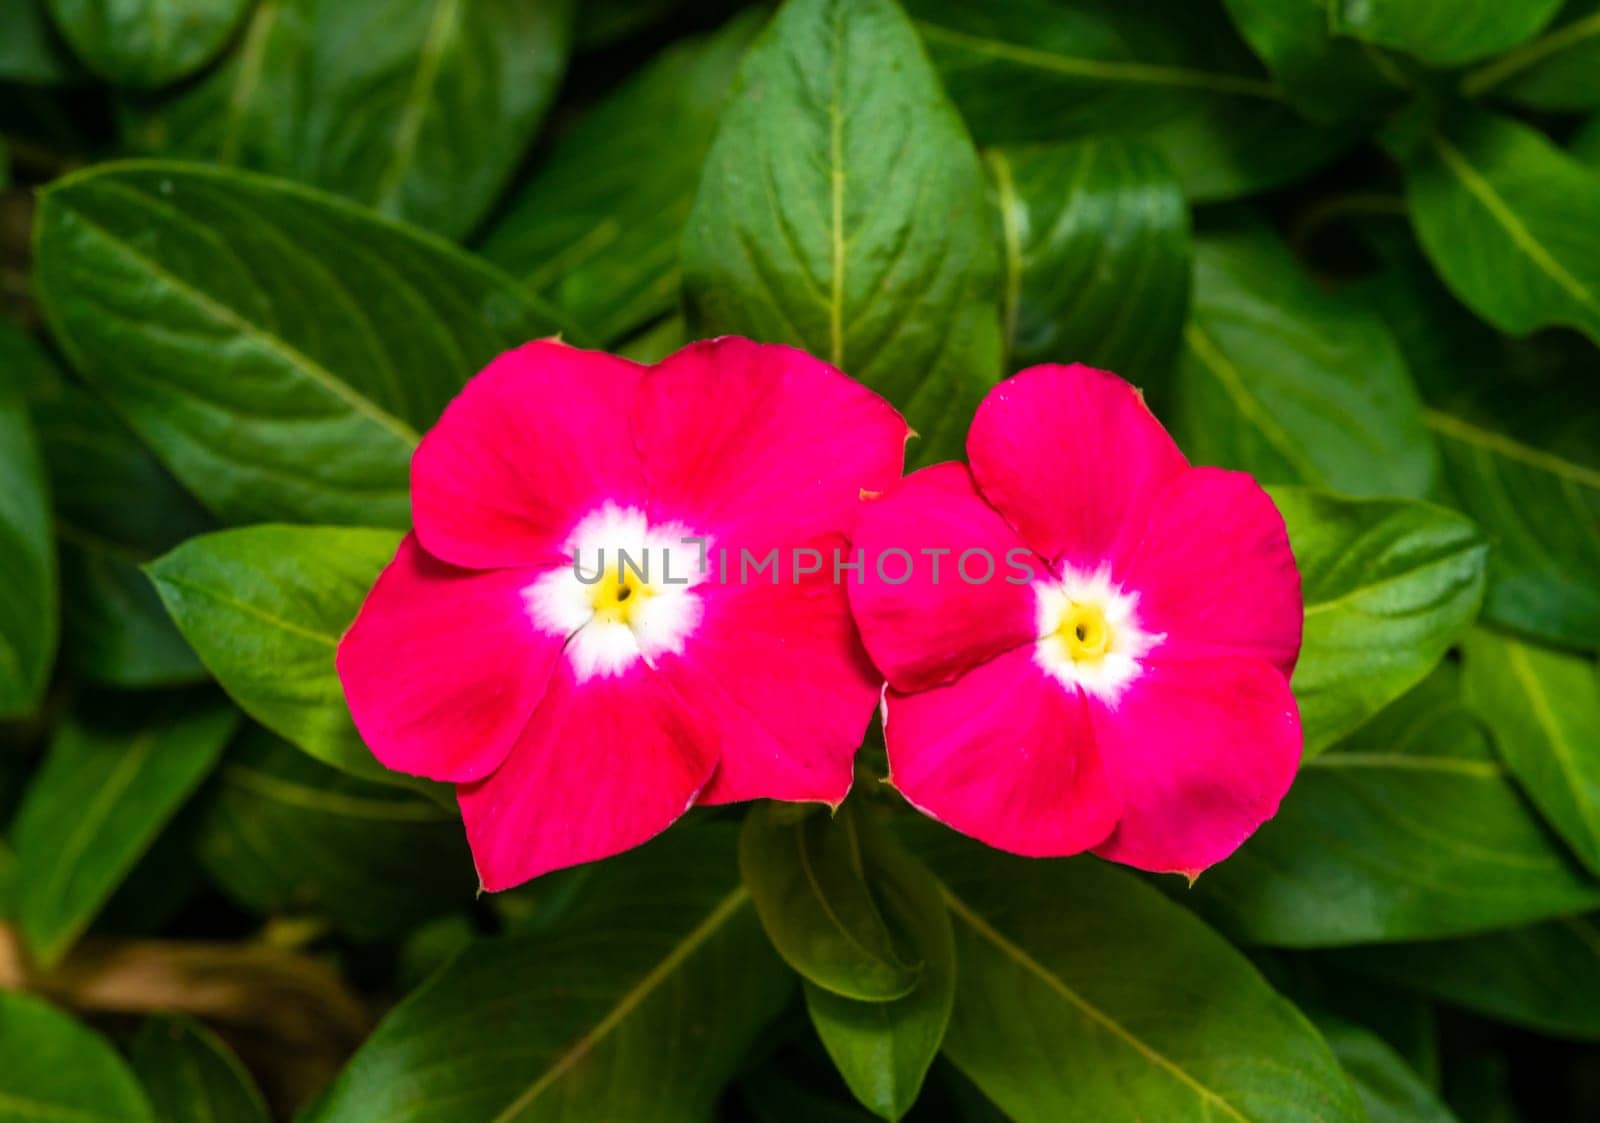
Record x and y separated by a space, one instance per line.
1083 994
279 832
1389 1090
1389 585
1094 237
278 349
813 878
1511 222
1170 72
1543 708
1545 977
1441 32
56 1069
264 607
1409 829
1559 69
28 593
638 1008
842 211
113 777
191 1076
1280 379
605 247
1327 77
146 43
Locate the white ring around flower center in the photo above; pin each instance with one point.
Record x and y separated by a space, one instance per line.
1104 674
616 555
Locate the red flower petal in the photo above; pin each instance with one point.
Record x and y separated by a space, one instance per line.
1201 754
443 666
530 445
1073 459
921 633
1215 572
1005 755
602 767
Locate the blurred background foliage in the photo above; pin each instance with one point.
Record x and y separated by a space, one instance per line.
248 250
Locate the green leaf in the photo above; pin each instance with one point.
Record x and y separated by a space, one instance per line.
1294 385
883 1049
1171 72
1389 1090
1327 78
191 1076
1410 829
31 50
1095 242
1544 711
57 1069
113 777
278 349
146 43
1518 425
264 607
604 247
116 508
279 833
1511 222
1083 994
1558 70
1545 977
813 879
422 108
28 593
1389 585
842 211
1441 32
541 1027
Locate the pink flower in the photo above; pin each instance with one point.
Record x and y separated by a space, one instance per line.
1121 683
581 705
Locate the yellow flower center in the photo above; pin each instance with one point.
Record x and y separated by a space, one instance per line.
1085 632
618 594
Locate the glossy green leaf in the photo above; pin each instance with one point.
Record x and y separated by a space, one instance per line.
28 593
1409 829
1083 994
1442 33
813 879
883 1049
116 508
540 1027
1389 1090
1389 585
56 1069
113 777
842 211
1560 69
278 349
1543 708
422 108
1327 77
1517 423
280 833
1292 384
1511 223
1094 238
1545 977
31 50
1171 72
603 246
146 43
264 607
191 1076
